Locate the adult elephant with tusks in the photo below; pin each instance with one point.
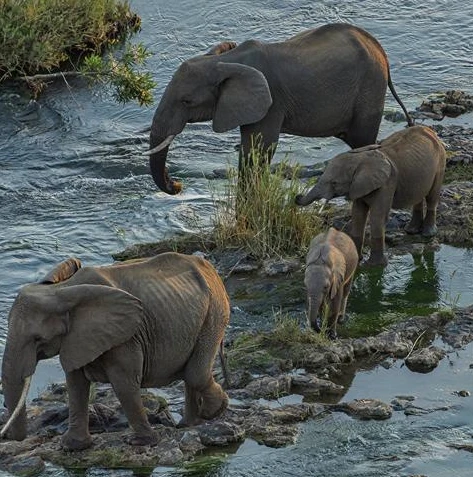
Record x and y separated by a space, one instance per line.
139 324
329 81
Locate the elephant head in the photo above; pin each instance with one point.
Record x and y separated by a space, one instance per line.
55 318
324 275
208 87
353 174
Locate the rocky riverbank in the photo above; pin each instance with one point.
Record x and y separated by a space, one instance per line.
270 364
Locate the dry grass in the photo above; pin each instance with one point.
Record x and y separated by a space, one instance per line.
258 211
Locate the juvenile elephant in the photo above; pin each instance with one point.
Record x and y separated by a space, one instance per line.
329 81
330 266
134 325
405 169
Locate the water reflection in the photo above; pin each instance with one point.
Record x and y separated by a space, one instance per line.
409 286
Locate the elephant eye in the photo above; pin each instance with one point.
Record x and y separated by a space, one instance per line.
186 102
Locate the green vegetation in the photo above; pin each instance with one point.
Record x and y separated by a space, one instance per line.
44 39
289 338
268 222
458 172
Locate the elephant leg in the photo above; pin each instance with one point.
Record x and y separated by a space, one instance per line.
429 228
379 213
77 436
417 220
205 399
124 371
364 129
359 216
333 316
346 292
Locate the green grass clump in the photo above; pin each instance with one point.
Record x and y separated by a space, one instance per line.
258 211
38 35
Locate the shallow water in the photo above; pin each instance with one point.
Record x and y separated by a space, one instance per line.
73 183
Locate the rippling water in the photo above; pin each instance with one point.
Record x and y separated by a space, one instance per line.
73 183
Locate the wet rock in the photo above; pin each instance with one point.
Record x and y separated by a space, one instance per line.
278 266
26 466
275 427
388 343
220 433
450 103
425 360
310 384
462 393
269 387
190 442
169 453
365 409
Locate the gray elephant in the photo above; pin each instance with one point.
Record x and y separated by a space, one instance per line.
329 81
134 325
405 169
330 267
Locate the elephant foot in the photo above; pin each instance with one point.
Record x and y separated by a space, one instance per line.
143 439
71 443
190 422
429 231
342 319
316 326
332 335
413 228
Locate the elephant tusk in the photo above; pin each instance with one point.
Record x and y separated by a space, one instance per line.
322 204
161 146
20 404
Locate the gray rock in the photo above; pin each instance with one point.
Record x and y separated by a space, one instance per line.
220 434
27 466
269 387
365 409
277 266
425 360
311 384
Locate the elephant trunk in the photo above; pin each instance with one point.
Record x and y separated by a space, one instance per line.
15 381
307 199
315 303
157 163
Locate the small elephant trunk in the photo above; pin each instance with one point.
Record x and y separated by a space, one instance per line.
314 305
307 199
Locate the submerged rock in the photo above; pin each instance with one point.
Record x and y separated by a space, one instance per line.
365 409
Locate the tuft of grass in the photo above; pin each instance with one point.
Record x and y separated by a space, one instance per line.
258 210
288 331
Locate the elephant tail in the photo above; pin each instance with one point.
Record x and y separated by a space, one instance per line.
410 121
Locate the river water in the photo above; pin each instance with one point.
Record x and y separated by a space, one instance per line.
73 183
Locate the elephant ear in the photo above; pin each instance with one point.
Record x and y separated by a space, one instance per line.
63 271
372 172
100 318
244 96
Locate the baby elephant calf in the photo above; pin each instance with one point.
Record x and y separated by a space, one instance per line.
405 169
330 266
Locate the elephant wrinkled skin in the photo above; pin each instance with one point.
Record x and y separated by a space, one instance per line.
329 81
140 324
405 169
330 266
